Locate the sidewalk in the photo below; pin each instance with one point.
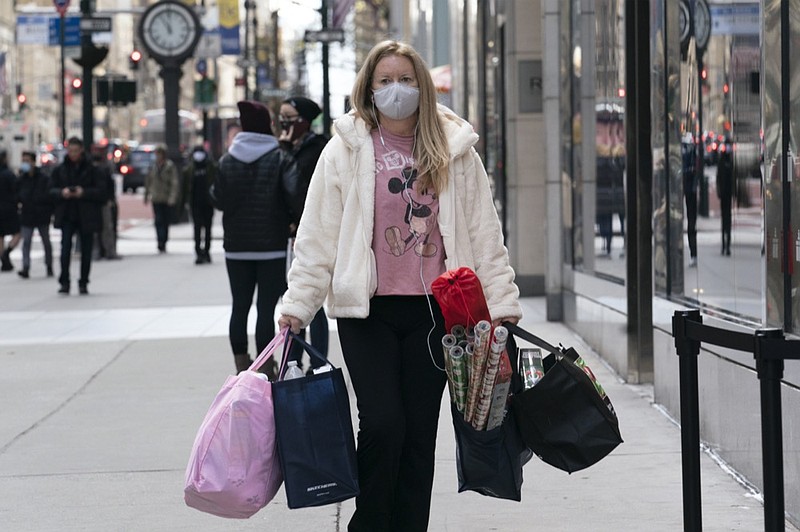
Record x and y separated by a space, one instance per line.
103 395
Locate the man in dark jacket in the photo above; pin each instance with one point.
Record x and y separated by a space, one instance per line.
297 114
725 191
199 175
689 159
37 210
78 191
259 194
9 212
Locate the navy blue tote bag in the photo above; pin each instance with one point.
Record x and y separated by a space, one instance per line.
316 447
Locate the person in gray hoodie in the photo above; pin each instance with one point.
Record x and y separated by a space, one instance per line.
259 193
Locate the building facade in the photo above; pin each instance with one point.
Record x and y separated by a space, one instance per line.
655 153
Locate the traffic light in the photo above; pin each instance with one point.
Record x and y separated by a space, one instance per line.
22 100
134 59
77 85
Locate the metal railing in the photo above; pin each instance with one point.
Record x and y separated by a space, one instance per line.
770 348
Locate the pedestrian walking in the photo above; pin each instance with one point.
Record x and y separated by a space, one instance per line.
78 191
399 196
199 175
36 212
162 188
689 168
9 213
258 192
296 115
725 192
107 237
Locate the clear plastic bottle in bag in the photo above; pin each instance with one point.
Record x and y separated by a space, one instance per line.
293 371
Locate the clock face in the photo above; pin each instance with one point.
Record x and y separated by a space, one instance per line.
169 30
702 23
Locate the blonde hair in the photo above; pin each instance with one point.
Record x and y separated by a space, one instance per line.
431 150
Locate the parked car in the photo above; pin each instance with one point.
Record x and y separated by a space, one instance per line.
135 169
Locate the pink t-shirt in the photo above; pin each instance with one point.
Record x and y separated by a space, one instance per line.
406 240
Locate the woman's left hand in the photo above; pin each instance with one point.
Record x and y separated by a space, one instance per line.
499 321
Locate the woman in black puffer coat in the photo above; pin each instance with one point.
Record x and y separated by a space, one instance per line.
259 193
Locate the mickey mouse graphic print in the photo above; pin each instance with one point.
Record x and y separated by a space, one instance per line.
406 240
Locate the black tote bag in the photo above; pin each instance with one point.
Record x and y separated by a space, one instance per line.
316 447
490 462
563 418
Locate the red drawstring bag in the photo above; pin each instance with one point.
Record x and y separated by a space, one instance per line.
460 296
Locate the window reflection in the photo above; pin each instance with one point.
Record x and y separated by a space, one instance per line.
708 179
722 112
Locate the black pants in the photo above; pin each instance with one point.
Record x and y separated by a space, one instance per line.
399 393
86 239
726 204
162 212
202 216
604 222
690 196
244 276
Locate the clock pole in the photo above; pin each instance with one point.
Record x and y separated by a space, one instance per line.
155 32
171 75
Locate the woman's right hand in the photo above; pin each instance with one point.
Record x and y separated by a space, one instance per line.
290 321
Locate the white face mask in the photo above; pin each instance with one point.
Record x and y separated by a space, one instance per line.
199 156
396 100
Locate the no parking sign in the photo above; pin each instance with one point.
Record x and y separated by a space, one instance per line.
61 6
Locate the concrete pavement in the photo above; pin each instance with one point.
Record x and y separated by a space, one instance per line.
103 395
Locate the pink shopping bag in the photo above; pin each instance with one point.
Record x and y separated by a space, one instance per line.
234 469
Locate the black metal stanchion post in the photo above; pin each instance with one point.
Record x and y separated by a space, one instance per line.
770 372
688 351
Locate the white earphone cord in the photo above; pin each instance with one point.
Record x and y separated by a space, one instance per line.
421 276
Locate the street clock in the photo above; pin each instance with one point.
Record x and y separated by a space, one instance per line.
170 31
702 23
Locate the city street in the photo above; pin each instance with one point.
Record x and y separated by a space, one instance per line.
103 395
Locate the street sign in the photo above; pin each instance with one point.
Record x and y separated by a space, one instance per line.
327 35
33 29
274 93
95 24
61 6
72 31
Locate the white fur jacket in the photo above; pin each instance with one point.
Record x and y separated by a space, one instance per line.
333 248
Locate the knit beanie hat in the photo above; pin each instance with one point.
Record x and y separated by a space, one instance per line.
305 107
255 117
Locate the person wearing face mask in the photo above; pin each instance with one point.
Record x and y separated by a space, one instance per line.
35 214
296 115
199 175
399 196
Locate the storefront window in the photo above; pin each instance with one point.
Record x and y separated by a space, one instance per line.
721 125
708 151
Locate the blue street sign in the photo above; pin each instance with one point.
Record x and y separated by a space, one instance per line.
72 31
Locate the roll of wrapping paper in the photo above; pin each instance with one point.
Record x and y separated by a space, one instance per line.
468 352
483 331
448 341
459 331
498 345
458 376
